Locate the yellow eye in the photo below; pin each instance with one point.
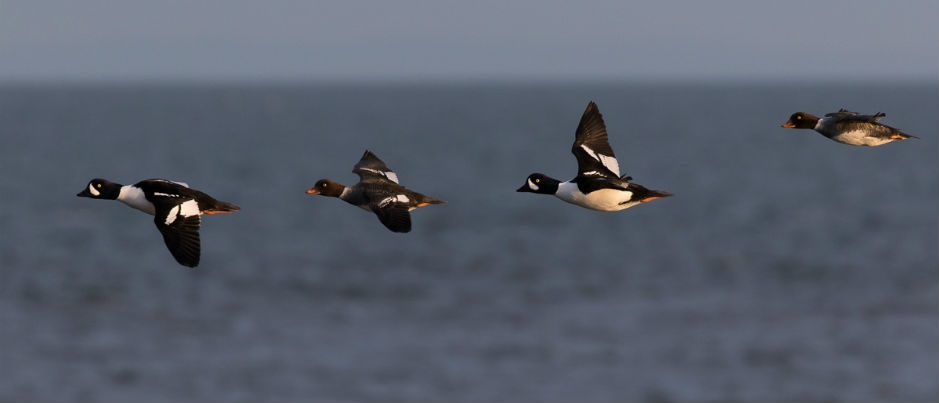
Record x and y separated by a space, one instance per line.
324 184
798 117
537 180
98 185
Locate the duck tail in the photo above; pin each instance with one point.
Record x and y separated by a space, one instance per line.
220 207
902 136
427 200
654 194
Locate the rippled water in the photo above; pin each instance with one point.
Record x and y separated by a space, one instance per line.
786 267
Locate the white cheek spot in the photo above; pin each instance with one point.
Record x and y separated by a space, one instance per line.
93 191
532 185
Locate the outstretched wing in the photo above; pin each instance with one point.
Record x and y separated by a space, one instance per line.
591 147
844 114
393 212
179 224
371 168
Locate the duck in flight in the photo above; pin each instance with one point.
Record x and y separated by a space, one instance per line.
379 192
176 208
598 184
848 127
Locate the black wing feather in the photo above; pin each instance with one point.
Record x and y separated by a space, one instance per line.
591 132
181 236
371 168
395 216
846 115
590 184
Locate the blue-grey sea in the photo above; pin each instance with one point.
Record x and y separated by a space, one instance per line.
787 267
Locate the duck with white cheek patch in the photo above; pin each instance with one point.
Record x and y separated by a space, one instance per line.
598 184
176 208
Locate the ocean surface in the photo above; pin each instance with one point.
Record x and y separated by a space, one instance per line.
787 267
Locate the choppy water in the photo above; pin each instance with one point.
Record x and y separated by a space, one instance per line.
787 266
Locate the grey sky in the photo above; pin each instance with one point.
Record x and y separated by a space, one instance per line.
469 39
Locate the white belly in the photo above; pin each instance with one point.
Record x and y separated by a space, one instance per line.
859 138
602 200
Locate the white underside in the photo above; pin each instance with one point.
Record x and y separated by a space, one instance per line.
134 197
859 138
853 137
602 200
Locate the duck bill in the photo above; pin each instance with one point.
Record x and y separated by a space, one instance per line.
524 188
312 191
789 124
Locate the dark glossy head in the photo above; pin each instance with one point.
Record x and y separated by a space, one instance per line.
801 120
540 183
101 189
326 187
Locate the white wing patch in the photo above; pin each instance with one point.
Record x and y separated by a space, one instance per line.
608 161
387 174
165 194
393 199
187 208
171 216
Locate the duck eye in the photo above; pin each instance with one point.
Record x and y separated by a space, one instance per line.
537 180
798 117
98 185
323 184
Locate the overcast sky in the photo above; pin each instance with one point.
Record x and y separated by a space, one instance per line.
469 39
